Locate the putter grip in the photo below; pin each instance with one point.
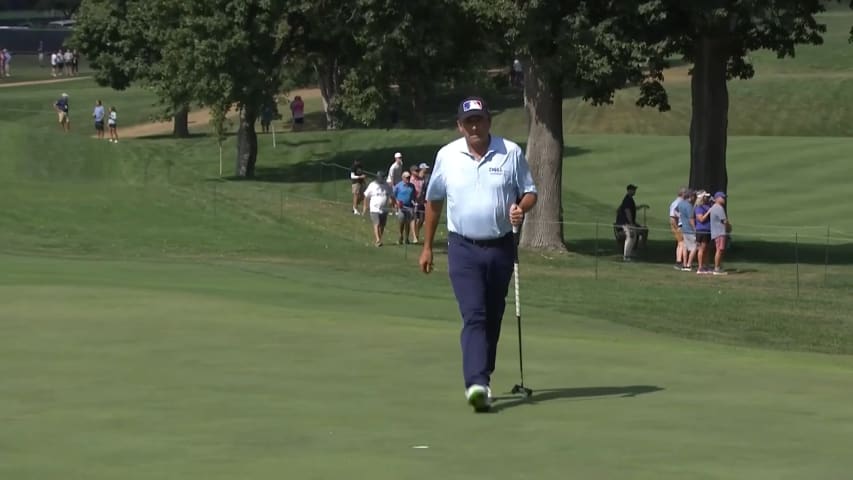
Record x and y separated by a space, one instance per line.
515 276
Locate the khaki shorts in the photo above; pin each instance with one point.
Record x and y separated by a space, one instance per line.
63 117
676 232
357 189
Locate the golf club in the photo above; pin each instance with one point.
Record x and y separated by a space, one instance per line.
519 387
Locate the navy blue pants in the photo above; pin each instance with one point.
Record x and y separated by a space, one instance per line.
480 275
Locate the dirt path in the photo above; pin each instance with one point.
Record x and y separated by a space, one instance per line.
195 117
41 82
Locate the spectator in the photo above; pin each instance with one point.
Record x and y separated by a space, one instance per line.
61 107
98 114
266 118
626 217
703 229
418 180
517 75
395 172
60 63
7 62
404 193
41 53
113 124
720 229
357 177
54 64
2 62
688 229
75 60
297 110
378 197
69 63
675 226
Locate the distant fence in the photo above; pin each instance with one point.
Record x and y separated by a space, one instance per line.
27 41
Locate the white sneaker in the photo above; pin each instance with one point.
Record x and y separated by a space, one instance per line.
478 397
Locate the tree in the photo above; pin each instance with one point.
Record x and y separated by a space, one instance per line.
403 48
716 36
67 7
125 40
232 52
589 47
323 32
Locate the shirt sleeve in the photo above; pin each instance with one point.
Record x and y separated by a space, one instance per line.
437 185
523 177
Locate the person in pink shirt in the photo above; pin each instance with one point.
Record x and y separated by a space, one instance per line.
297 109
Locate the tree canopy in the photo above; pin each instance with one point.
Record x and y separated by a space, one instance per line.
715 36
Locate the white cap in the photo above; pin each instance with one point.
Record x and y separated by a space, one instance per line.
64 94
398 155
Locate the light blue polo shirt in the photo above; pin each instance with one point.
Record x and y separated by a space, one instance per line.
479 194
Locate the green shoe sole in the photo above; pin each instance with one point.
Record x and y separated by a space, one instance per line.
479 400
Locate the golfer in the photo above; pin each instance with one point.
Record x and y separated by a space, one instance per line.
488 187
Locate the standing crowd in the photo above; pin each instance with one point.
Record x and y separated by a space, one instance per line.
697 221
399 193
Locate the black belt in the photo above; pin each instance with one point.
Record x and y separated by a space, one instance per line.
489 242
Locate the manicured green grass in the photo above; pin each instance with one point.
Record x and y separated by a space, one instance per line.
215 370
159 321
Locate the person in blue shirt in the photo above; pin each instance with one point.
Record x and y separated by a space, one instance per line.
688 228
61 107
98 115
404 192
488 187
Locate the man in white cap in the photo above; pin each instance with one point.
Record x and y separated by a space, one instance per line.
395 173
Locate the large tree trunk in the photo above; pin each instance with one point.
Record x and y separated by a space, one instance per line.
543 96
709 122
247 142
329 77
180 127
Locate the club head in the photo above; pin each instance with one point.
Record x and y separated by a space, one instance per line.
524 391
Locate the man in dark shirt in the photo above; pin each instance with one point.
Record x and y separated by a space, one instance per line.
626 217
61 107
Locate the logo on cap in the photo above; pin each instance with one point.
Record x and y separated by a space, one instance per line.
472 105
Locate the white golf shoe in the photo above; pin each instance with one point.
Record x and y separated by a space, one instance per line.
479 397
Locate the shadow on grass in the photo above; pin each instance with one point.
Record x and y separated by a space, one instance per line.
550 394
169 136
748 250
336 168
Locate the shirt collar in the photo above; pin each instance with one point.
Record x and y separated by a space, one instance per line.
495 146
